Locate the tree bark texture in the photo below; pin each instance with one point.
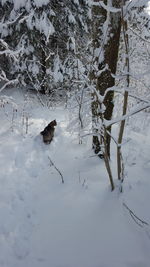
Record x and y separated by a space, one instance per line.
106 37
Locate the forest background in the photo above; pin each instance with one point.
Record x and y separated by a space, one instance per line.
86 64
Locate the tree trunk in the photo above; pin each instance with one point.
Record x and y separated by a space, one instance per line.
106 36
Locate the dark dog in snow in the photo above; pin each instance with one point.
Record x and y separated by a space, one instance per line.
48 132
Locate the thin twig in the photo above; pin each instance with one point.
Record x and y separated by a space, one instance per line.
143 39
137 220
124 117
52 163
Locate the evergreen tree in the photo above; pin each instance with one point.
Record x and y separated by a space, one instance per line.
49 35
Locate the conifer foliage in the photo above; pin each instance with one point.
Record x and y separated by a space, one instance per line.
41 40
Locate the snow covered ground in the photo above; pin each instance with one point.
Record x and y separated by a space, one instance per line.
44 223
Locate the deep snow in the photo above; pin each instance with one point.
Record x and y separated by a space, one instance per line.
44 223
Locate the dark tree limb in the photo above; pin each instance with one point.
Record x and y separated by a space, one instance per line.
137 220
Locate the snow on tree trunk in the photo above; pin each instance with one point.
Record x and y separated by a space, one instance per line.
106 36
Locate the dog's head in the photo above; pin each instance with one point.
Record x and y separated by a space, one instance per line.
53 123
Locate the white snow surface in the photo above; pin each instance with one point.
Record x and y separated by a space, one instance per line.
81 223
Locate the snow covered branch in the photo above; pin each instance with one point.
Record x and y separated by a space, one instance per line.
135 110
8 82
107 7
11 82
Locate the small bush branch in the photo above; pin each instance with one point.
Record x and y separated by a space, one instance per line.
52 164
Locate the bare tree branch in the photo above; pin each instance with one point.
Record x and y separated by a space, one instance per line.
143 39
133 112
52 163
137 220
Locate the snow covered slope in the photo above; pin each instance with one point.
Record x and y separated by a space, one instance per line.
44 223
